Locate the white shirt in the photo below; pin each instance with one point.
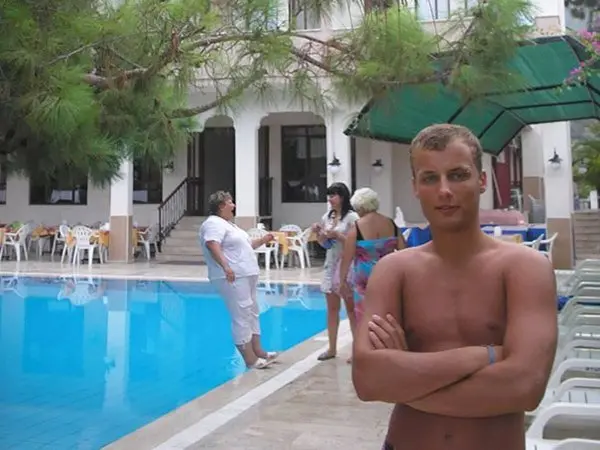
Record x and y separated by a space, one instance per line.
236 246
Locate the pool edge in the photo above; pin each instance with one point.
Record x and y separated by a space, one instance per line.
148 277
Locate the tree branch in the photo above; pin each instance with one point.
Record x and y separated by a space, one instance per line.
123 57
230 94
72 53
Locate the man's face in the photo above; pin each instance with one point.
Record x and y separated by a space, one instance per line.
448 185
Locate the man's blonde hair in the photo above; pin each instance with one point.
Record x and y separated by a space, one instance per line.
437 137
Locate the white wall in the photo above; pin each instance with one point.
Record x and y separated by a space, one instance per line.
98 201
403 189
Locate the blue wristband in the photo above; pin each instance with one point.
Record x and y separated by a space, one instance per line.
491 354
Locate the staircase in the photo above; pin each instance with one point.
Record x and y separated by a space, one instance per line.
182 244
179 222
586 231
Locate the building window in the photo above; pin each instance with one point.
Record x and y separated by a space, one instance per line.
303 164
302 17
147 181
2 185
59 189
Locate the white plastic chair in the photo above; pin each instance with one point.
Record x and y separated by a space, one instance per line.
59 238
41 241
83 236
549 243
63 232
266 249
148 238
18 242
535 244
573 411
298 244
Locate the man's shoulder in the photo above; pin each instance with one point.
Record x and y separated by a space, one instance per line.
405 258
521 257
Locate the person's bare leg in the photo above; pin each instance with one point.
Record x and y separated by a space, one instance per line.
351 316
259 351
333 324
248 354
352 320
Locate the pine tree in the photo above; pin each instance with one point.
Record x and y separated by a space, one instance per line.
85 83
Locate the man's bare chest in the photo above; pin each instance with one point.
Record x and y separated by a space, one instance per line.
447 312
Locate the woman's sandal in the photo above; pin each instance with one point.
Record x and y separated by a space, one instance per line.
272 356
261 363
326 356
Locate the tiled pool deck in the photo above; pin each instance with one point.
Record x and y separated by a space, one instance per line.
297 404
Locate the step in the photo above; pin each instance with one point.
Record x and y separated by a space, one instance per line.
190 223
179 250
180 258
192 236
176 240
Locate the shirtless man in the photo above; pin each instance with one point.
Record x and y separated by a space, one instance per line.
463 329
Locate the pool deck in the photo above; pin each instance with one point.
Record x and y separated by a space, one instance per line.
299 403
146 270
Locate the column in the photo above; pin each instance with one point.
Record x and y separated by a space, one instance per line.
486 201
121 215
338 145
246 171
593 200
382 181
533 167
558 187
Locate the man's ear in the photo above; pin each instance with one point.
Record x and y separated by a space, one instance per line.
483 181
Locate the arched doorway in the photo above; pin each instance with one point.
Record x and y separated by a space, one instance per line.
211 163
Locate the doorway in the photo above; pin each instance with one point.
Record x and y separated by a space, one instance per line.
211 167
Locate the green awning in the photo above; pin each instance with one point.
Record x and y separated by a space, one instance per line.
496 118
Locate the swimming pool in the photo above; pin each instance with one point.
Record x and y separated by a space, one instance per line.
86 361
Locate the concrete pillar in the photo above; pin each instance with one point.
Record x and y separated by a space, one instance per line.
381 182
246 171
533 167
486 200
558 187
121 215
594 199
338 144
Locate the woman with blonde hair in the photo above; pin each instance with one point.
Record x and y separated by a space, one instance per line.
370 238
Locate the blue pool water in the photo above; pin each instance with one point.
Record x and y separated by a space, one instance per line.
84 361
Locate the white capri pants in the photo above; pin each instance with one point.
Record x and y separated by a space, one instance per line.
240 300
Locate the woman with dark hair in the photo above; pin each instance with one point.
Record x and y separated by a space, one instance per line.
331 233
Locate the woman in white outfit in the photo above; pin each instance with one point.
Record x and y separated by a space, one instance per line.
233 270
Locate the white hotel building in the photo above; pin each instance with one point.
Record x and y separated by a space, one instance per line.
275 161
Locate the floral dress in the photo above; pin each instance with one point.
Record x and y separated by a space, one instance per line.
368 253
333 256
